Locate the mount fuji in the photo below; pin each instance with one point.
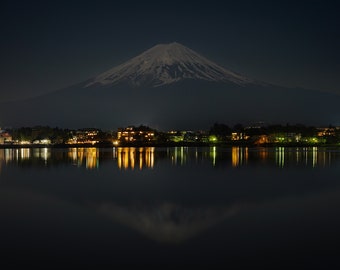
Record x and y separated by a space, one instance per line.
171 87
166 64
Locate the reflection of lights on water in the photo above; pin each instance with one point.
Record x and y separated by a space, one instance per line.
46 153
140 158
125 156
36 152
119 159
213 155
315 156
132 157
25 153
144 157
280 156
2 155
311 155
42 153
2 158
150 157
324 159
239 156
128 157
306 154
91 156
9 155
17 154
73 154
263 153
79 156
114 153
297 151
178 154
234 156
174 157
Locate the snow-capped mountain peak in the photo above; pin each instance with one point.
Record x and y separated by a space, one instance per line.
165 64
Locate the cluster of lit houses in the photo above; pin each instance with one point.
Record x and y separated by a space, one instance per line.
84 136
133 134
145 135
5 137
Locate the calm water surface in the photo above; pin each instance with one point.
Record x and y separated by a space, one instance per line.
237 206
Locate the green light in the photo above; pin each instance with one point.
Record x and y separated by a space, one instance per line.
212 138
312 140
177 139
280 139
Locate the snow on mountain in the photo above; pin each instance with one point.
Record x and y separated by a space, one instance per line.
165 64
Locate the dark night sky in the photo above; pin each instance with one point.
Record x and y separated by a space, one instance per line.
47 45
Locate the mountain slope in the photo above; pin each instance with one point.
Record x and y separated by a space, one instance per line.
171 87
166 64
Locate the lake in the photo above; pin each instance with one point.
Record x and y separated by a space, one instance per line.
172 207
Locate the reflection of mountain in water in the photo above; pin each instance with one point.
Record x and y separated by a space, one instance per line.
167 222
147 157
188 190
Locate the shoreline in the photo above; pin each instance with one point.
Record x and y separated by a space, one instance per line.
110 145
